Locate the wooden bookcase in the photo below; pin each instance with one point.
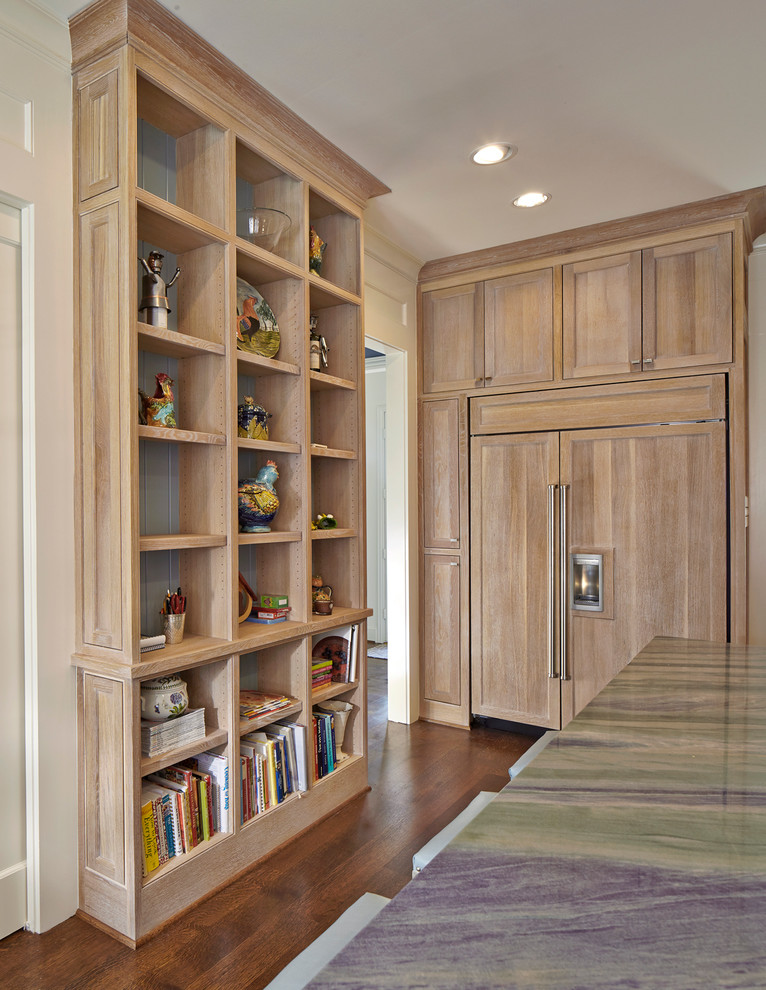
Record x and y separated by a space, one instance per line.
166 156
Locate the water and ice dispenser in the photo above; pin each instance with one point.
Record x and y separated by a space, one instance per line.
586 581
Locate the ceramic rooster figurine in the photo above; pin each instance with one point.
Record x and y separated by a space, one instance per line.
158 408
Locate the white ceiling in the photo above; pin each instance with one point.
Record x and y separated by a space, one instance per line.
617 106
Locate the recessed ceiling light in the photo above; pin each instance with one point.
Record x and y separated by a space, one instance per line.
491 154
532 199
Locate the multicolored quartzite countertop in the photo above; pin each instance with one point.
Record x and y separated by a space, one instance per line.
630 854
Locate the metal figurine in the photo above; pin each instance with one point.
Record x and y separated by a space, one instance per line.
154 289
317 348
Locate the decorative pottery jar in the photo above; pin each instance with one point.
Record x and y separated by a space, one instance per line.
163 698
252 420
322 602
258 502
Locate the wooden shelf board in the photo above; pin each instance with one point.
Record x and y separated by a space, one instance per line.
324 294
178 861
173 343
212 738
253 725
342 615
319 450
164 435
180 541
251 636
340 767
173 228
267 445
318 381
332 691
254 364
292 536
258 266
332 534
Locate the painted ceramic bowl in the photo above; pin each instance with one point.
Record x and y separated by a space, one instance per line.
163 698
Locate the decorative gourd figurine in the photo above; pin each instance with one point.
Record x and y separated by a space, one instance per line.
252 420
154 291
317 249
258 502
159 409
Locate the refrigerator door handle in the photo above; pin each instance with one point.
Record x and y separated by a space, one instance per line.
563 583
552 580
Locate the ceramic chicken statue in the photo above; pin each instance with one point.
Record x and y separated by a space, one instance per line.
258 502
158 408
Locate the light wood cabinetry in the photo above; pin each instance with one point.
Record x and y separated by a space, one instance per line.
636 497
665 307
500 332
444 642
647 330
168 157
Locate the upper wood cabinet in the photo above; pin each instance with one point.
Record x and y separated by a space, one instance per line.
452 338
660 308
518 328
498 332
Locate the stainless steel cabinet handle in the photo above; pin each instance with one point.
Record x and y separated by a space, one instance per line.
551 580
648 360
563 583
636 363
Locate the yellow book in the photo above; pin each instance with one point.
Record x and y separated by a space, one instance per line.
151 852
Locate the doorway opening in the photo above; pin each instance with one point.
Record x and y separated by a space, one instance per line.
386 453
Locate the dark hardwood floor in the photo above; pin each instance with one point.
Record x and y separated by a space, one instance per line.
238 939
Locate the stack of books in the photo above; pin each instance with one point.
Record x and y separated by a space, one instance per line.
182 806
321 672
325 753
159 737
259 704
272 766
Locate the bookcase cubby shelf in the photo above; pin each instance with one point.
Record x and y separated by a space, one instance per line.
167 160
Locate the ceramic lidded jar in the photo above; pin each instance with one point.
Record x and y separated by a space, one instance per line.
258 501
163 697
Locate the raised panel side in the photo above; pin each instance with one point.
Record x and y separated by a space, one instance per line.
98 163
99 434
103 777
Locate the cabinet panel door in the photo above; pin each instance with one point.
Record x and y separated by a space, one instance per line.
441 440
602 316
444 645
518 328
655 499
687 303
452 338
510 579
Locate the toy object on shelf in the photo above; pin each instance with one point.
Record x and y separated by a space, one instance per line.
159 409
317 348
154 291
324 520
321 596
317 249
252 420
258 501
256 326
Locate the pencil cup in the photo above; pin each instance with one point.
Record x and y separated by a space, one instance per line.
173 627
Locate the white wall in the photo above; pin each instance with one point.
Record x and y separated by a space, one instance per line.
391 319
757 421
35 172
375 452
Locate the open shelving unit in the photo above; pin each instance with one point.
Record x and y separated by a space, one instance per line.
166 160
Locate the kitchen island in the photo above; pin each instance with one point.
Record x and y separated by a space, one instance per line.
630 854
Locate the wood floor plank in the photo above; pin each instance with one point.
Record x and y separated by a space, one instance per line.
421 776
